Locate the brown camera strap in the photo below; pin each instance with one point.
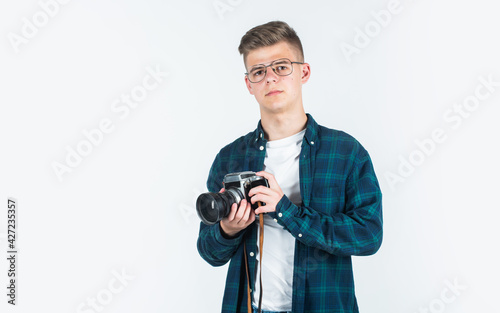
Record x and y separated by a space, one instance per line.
261 250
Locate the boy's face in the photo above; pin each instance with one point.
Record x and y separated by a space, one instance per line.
277 94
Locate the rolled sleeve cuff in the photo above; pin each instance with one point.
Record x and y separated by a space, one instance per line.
219 237
286 211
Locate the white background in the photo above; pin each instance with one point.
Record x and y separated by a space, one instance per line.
129 205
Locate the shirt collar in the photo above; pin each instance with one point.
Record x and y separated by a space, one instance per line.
310 136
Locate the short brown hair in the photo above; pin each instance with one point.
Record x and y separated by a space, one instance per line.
267 35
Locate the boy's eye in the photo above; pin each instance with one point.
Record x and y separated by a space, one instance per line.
257 72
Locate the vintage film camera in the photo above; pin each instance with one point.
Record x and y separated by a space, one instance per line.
212 207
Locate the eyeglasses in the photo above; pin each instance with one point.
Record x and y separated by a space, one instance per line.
282 67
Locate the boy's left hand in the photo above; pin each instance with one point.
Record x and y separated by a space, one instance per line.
271 196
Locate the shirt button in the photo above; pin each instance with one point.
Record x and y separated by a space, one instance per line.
261 148
280 214
252 254
276 220
312 142
300 235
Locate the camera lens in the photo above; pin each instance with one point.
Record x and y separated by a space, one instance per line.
212 207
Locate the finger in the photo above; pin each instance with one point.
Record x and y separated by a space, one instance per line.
272 198
265 209
268 207
246 216
262 190
273 184
258 210
251 218
241 210
232 213
222 190
270 178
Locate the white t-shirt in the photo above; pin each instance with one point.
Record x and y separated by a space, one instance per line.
282 160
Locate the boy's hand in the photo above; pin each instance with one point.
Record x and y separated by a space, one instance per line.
270 196
238 219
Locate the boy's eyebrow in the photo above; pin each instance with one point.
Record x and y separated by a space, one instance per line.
262 64
257 65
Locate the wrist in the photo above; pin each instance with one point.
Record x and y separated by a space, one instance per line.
226 233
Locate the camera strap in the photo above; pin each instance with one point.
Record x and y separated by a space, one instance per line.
261 250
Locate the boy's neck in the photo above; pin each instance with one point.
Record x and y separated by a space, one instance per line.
282 125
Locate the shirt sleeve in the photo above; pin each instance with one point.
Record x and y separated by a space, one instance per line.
356 231
213 247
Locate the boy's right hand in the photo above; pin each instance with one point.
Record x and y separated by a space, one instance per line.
238 219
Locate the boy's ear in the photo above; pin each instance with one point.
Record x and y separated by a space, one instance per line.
249 85
306 72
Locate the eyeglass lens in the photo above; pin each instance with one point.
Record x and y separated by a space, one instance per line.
282 67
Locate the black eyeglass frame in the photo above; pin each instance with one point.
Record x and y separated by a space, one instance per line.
274 70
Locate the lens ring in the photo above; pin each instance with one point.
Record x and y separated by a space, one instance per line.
207 207
213 207
236 195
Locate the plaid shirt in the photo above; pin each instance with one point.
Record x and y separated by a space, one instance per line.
340 216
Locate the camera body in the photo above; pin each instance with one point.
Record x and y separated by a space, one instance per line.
243 182
212 207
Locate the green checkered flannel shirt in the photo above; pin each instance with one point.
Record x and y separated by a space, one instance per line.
340 216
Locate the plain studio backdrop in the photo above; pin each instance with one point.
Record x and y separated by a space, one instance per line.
113 111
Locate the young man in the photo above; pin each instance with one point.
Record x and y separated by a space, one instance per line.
323 203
